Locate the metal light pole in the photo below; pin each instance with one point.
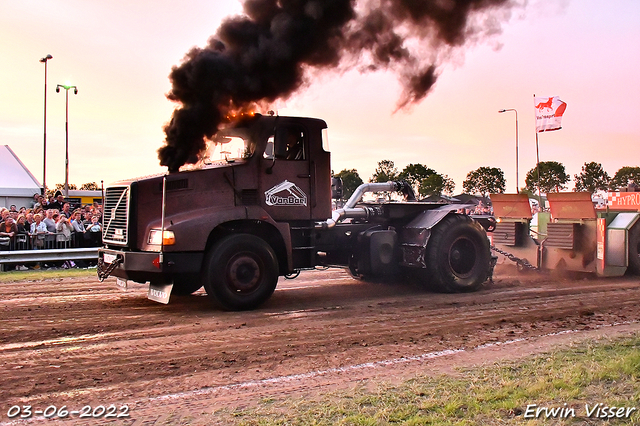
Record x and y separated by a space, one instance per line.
66 129
45 60
517 180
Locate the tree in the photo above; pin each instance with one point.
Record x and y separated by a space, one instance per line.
60 187
350 181
624 176
436 184
385 172
89 186
415 174
553 177
485 181
592 178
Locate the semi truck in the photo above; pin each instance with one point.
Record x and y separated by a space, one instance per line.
258 206
574 235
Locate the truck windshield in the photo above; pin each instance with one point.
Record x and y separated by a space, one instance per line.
228 146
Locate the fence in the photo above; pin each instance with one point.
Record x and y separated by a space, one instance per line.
55 255
50 241
33 248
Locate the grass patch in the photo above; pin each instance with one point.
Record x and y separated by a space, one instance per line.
605 372
48 274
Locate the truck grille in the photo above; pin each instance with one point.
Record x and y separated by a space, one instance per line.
116 215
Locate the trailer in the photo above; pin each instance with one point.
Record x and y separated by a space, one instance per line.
258 206
574 235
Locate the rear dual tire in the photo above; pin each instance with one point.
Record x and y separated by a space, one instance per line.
457 256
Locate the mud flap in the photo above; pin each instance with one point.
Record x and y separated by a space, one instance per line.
159 292
122 284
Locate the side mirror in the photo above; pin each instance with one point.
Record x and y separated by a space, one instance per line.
75 91
336 188
280 143
57 89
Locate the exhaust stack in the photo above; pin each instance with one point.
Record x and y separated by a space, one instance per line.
349 210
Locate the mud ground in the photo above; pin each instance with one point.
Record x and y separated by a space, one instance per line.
78 342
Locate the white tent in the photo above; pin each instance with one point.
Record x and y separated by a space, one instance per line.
17 184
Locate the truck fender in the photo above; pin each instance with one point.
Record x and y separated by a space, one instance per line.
415 235
197 224
430 218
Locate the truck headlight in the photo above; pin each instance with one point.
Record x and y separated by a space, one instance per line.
156 237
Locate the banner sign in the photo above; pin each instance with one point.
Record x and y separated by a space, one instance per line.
549 113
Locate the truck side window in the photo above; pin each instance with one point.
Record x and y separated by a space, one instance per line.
290 143
269 150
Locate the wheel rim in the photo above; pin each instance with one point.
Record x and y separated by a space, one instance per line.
243 273
462 257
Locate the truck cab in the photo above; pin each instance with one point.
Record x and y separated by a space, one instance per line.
249 180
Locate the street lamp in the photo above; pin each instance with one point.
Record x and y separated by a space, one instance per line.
517 181
66 128
45 60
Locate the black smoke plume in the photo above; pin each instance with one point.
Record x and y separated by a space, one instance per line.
269 52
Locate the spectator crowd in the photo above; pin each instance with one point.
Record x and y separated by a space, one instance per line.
50 223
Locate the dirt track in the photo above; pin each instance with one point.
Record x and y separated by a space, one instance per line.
77 342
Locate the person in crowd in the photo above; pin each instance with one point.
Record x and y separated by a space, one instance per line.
8 226
13 208
66 210
58 203
87 218
98 214
22 225
95 225
35 201
93 232
8 230
41 202
23 233
63 231
38 231
29 218
50 221
78 229
4 214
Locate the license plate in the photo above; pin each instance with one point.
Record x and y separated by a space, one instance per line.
121 283
109 258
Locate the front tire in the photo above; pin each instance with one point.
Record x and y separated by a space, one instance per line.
240 272
458 255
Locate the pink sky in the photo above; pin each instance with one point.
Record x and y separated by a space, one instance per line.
119 54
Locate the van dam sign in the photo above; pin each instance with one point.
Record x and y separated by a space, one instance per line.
285 194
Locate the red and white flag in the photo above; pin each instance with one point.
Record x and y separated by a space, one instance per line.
549 113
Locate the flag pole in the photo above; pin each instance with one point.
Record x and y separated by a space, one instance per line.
538 168
538 159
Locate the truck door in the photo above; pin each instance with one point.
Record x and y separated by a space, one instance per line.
287 188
